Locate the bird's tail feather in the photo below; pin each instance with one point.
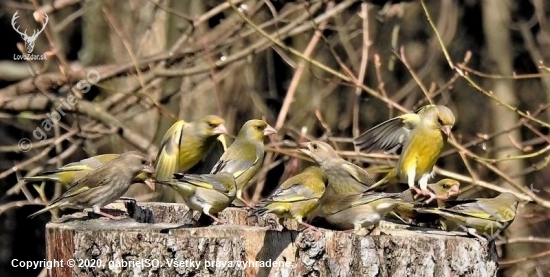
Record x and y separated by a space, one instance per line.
48 208
378 184
40 179
259 211
428 211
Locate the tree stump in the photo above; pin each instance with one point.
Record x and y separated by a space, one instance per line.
156 240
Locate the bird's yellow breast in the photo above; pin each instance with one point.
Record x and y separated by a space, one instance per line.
421 153
193 152
189 158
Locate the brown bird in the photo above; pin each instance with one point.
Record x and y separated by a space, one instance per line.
103 185
72 172
344 178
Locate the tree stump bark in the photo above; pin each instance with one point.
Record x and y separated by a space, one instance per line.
156 240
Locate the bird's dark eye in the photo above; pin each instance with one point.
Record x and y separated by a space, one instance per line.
143 162
212 125
439 121
259 128
314 146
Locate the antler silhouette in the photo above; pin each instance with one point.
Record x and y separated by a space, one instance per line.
13 19
29 40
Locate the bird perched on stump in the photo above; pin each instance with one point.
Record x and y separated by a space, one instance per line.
69 173
205 193
344 178
103 185
405 210
245 157
422 135
358 211
485 216
296 197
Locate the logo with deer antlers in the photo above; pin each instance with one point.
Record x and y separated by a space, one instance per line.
29 40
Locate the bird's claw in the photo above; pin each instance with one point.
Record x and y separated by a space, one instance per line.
418 192
217 220
435 197
110 216
247 205
127 201
309 227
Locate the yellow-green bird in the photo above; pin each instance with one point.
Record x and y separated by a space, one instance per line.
245 156
296 197
205 193
485 216
185 144
103 185
405 210
72 172
422 136
359 211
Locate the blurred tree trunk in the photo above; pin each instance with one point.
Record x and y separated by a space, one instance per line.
175 28
102 43
105 42
178 91
496 25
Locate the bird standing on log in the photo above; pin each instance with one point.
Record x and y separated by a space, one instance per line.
72 172
205 193
296 197
344 177
479 216
245 157
104 184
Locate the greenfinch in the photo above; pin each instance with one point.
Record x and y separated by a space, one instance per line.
343 176
205 193
245 157
103 185
486 216
422 136
296 197
185 144
72 172
359 211
405 212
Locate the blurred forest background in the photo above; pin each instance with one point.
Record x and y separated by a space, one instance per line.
313 69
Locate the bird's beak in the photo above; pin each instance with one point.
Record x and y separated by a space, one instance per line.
269 130
454 191
150 183
220 129
149 169
446 129
305 148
